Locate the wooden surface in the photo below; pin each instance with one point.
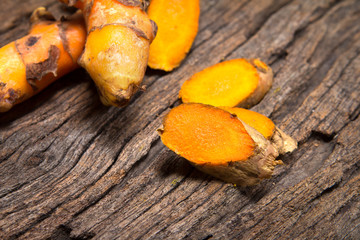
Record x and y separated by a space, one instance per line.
71 168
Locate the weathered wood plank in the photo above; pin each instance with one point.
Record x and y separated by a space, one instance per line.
72 168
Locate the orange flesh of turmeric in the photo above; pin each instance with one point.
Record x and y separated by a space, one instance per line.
206 135
31 63
177 22
224 84
256 120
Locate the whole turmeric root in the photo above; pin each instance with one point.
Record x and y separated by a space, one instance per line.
218 143
31 63
178 22
117 47
280 140
237 82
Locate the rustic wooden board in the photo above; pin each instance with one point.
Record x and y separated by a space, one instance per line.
71 168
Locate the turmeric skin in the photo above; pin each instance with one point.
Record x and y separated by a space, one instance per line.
117 47
31 63
237 82
218 143
178 22
280 140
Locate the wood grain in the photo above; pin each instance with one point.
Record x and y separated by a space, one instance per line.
71 168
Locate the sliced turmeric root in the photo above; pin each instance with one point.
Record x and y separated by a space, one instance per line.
117 47
237 82
178 22
280 140
218 143
31 63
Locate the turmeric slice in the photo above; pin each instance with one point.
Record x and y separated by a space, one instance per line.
280 140
178 22
237 82
117 47
31 63
218 143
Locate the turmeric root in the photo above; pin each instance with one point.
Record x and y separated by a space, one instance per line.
280 140
178 22
237 82
117 47
218 143
31 63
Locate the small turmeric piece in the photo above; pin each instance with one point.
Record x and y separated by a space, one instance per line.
280 140
237 82
117 47
218 143
31 63
178 22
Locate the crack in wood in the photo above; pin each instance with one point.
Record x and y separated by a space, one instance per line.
327 190
325 137
207 237
63 232
355 114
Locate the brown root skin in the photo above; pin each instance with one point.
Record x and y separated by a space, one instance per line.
265 82
36 71
259 165
283 142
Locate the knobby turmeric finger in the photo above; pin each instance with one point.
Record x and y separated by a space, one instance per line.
178 22
218 143
280 140
117 47
49 51
237 82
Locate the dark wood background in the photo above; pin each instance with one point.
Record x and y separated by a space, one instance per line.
71 168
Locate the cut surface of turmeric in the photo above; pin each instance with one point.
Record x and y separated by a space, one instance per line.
31 63
177 22
237 82
117 46
218 143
